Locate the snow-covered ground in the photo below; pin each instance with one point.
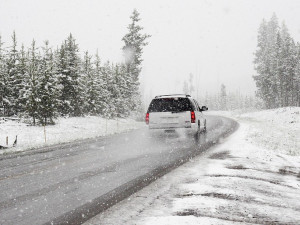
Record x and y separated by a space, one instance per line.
65 130
252 177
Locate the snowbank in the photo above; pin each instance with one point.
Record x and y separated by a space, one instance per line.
274 129
65 130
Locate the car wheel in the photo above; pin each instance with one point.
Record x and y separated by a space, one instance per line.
204 126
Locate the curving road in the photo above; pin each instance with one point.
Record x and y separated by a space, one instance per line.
70 183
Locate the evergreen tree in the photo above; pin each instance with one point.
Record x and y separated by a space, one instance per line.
110 110
119 91
33 83
24 77
125 84
91 94
289 57
12 81
261 62
134 41
101 86
71 82
265 61
3 80
297 77
47 87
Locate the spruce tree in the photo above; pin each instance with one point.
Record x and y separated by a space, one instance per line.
12 81
33 83
108 75
289 57
47 88
90 81
119 90
70 78
24 76
3 80
297 77
134 42
266 62
101 86
260 61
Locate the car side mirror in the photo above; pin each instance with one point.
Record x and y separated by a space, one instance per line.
204 108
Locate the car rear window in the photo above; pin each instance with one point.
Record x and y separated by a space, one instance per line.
170 105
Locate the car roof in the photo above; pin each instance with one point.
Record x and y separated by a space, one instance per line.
173 96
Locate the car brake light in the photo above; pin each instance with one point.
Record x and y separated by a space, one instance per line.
147 118
193 118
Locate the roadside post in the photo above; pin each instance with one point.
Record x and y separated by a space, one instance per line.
45 133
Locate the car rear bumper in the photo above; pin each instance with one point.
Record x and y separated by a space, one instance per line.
191 127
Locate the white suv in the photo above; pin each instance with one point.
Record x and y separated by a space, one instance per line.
170 112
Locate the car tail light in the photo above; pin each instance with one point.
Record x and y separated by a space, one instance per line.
193 117
147 118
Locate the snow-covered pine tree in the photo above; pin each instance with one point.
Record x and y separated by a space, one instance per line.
64 107
266 62
108 78
24 75
260 62
119 91
13 81
90 81
72 101
3 80
273 29
289 61
32 91
134 41
279 70
126 84
297 77
48 91
101 86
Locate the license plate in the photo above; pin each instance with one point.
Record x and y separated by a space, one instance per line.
169 120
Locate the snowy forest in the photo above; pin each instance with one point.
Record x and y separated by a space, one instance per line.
222 99
42 83
277 62
233 100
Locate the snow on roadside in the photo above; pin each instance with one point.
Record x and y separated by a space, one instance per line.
65 130
275 129
241 181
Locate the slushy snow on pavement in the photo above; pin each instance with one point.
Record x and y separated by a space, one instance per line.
252 177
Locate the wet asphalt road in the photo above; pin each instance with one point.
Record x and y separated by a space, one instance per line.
70 183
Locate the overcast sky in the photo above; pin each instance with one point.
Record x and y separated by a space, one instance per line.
213 40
